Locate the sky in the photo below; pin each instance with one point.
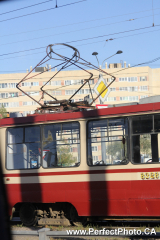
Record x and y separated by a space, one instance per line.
28 27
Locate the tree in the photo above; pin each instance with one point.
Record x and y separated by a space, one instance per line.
65 157
114 149
145 144
3 112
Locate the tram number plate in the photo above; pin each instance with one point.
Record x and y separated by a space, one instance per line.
150 175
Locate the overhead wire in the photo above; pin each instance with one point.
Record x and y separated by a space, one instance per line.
81 44
18 9
42 29
132 35
137 29
75 45
26 40
82 40
29 14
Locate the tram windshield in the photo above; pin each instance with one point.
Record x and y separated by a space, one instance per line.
107 141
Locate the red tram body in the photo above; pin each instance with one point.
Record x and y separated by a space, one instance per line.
74 172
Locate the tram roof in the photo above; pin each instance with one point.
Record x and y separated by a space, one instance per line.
66 116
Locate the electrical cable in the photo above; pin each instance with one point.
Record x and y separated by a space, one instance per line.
79 45
74 23
25 7
74 31
137 29
82 39
132 35
29 14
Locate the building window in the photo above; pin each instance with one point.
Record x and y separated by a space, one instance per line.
57 93
4 104
94 149
46 84
109 79
129 98
12 85
113 89
124 98
143 79
95 159
143 96
78 82
13 94
81 91
111 99
91 81
56 83
132 79
133 89
143 88
29 103
3 95
133 98
123 79
34 83
123 89
3 85
14 104
68 82
87 91
69 92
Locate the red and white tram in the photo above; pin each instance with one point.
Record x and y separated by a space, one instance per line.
98 163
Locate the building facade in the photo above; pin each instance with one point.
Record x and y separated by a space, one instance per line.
131 85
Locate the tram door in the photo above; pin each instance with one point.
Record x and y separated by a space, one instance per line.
108 154
145 158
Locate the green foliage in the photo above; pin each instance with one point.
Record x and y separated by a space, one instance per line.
115 149
3 112
65 157
145 144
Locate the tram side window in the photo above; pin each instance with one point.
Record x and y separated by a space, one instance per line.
23 148
61 145
108 141
146 139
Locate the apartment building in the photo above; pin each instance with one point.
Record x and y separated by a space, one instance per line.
131 84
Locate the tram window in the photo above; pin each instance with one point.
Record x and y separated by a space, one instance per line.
23 151
146 139
157 123
142 124
61 145
32 134
15 135
111 137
